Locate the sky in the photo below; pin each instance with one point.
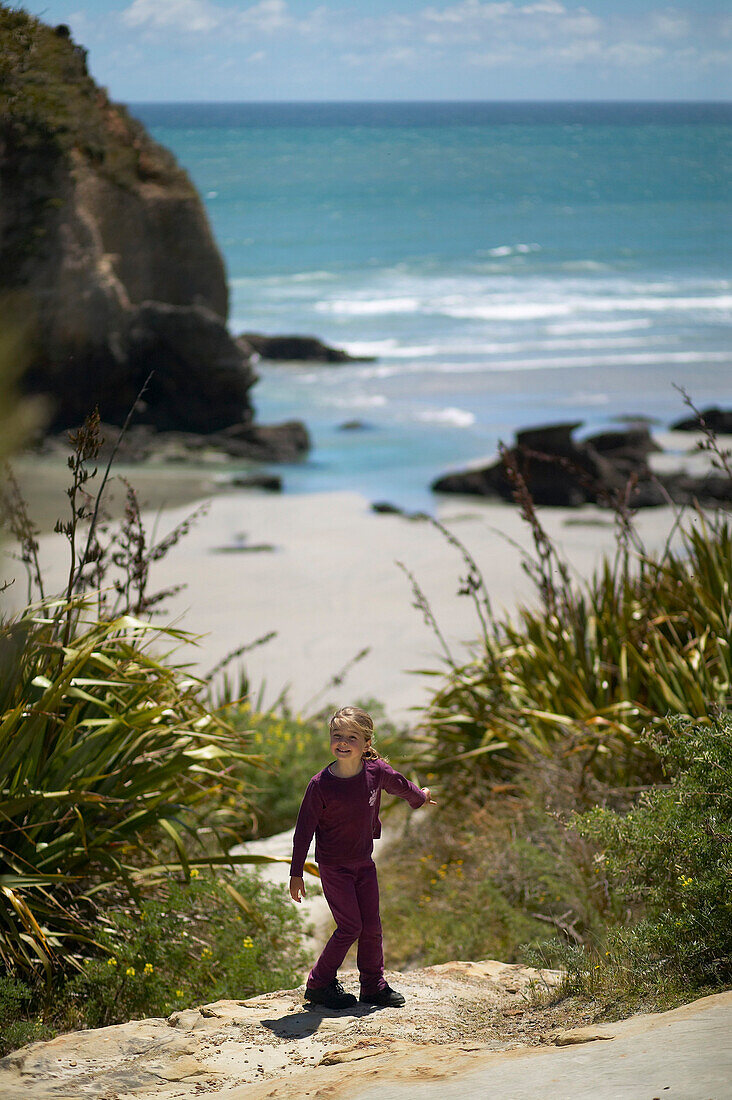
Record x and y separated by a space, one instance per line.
235 50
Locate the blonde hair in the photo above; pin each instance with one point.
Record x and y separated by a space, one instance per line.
356 719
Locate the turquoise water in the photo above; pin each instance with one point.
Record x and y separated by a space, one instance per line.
507 264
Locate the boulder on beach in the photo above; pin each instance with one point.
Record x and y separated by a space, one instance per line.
288 441
296 349
605 469
557 470
106 251
714 418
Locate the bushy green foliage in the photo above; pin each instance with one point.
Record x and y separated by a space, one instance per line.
21 1020
191 945
437 907
669 860
50 102
585 671
479 878
114 766
109 763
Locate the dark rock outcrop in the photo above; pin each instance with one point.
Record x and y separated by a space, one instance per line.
604 469
386 508
200 382
353 426
715 419
106 247
296 349
557 470
286 442
268 483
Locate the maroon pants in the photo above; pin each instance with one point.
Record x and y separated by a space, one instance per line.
353 896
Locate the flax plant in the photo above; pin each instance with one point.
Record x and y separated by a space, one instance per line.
112 774
590 666
116 768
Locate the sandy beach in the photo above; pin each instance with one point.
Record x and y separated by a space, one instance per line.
321 571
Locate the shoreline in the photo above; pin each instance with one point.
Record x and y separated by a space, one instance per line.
321 571
43 481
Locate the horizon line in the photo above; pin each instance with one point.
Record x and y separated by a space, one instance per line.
437 102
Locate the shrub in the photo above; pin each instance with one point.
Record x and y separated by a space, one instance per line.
584 672
670 860
190 945
480 876
20 1022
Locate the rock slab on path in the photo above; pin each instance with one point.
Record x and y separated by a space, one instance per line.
446 1044
273 1040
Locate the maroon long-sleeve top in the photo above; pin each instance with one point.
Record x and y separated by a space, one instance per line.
344 814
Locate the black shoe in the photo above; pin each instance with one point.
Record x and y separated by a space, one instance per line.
385 998
331 995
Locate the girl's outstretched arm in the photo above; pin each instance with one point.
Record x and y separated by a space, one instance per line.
393 782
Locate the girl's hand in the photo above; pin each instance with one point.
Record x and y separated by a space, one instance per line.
297 889
428 795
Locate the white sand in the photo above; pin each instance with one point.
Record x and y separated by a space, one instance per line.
330 587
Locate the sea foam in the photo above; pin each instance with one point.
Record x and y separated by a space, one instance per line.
460 418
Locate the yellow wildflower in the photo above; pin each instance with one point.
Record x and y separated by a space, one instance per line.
148 968
112 961
130 971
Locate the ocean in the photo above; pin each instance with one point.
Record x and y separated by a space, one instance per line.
507 264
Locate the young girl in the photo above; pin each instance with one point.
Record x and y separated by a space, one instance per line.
341 806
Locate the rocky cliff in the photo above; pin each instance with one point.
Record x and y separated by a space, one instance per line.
105 244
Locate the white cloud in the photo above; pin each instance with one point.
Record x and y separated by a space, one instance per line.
632 54
545 7
670 24
491 59
713 58
266 17
468 11
581 22
558 35
193 16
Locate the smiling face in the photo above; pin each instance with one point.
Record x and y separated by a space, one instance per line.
348 744
351 731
